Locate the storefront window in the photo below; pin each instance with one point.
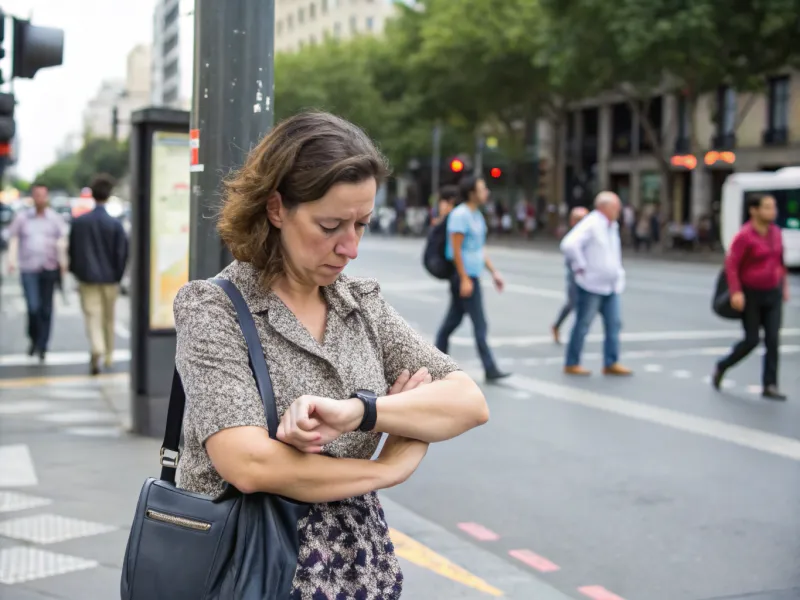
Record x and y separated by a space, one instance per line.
650 187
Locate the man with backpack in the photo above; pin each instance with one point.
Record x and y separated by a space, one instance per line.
463 262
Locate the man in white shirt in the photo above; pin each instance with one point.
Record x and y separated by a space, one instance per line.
592 249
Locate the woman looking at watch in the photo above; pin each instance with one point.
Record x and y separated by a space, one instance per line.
293 217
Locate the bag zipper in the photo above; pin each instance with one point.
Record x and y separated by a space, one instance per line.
179 521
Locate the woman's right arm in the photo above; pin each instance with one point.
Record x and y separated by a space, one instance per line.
248 459
224 411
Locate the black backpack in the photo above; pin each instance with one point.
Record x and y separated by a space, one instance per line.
433 258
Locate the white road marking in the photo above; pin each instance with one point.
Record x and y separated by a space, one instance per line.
26 407
50 528
58 358
727 432
20 564
634 355
16 466
629 336
122 330
15 501
78 416
682 374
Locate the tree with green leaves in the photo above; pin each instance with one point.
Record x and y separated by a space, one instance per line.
60 175
639 49
98 155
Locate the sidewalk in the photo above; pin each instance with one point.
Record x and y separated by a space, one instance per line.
70 475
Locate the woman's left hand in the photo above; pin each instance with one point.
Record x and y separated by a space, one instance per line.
311 421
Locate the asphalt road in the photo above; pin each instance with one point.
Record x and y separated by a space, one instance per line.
654 487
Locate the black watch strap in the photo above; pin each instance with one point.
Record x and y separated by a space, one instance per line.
369 400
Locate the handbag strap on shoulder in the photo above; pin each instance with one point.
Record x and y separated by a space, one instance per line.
258 365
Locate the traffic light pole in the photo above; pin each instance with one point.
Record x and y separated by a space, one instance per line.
436 161
232 108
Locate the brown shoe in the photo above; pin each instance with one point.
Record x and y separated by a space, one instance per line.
576 370
617 369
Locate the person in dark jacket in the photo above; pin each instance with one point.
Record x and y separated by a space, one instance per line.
98 254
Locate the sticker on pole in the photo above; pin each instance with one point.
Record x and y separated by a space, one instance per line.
194 151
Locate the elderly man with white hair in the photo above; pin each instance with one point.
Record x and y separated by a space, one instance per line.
592 249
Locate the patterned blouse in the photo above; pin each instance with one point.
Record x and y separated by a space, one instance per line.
345 549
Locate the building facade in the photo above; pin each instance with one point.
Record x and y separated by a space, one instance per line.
605 146
120 98
173 54
307 22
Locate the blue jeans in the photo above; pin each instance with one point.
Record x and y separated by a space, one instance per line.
472 306
38 289
587 306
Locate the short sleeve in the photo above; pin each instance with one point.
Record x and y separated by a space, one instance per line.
16 225
211 358
458 222
402 347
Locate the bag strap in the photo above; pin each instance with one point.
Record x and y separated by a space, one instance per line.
258 365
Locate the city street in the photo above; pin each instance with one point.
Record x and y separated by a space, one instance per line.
654 487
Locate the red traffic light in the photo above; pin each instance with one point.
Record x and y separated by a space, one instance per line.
456 165
495 173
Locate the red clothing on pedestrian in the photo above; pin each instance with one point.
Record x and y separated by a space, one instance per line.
755 261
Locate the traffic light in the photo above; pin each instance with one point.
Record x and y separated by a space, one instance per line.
496 172
456 165
35 48
2 42
7 125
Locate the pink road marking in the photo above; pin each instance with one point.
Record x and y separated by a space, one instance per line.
540 563
479 532
597 592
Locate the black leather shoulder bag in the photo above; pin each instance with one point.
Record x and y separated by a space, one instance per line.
188 546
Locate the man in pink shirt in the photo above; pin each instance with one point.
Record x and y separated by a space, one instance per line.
36 249
758 288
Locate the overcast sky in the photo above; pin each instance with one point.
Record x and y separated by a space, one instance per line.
98 34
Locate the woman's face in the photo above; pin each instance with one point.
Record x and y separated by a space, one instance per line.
319 238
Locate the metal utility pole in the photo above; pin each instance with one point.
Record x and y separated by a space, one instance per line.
115 123
436 162
232 109
480 141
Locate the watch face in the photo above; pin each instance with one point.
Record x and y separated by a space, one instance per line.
367 394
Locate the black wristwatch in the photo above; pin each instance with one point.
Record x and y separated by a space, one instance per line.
369 399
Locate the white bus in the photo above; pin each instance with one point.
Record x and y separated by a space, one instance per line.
784 186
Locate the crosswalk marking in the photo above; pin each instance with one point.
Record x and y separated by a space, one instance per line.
59 358
16 466
630 336
735 434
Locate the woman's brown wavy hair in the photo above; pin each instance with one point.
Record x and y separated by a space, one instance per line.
301 158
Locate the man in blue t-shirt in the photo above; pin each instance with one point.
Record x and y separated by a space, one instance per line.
466 240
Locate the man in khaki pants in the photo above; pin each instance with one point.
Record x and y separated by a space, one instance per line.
98 254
